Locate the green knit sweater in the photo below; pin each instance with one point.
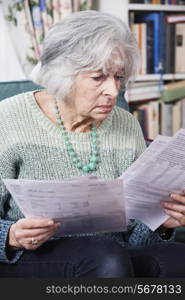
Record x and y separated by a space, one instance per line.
32 147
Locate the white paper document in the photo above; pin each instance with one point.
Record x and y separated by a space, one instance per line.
159 171
82 205
90 204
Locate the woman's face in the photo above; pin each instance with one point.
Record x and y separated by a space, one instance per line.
95 93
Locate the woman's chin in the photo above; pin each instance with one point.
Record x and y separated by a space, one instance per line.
101 117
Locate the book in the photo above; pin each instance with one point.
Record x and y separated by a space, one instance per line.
176 18
169 60
153 119
180 48
176 116
174 94
143 118
166 118
158 36
141 36
144 90
183 113
150 48
147 114
174 85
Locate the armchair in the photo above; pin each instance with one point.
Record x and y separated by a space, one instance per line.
11 88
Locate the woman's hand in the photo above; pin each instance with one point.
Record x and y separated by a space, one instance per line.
31 233
176 210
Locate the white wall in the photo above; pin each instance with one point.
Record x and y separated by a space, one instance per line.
10 68
115 7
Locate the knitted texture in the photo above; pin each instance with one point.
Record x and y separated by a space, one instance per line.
32 147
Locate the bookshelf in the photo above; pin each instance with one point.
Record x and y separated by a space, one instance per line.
131 7
165 77
122 9
163 109
150 7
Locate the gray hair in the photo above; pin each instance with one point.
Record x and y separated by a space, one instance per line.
85 41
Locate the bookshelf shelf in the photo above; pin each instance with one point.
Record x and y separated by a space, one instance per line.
150 7
156 100
150 77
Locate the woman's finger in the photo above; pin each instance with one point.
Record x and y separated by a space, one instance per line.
183 192
26 233
35 223
177 216
174 206
171 223
178 197
32 243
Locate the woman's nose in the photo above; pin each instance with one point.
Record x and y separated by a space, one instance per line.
110 87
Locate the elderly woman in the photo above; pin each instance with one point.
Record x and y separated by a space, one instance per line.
73 128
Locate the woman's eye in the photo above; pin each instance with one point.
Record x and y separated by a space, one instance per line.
98 78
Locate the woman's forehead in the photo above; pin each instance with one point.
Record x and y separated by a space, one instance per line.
113 68
109 69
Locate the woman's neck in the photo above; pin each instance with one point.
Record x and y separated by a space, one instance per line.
73 121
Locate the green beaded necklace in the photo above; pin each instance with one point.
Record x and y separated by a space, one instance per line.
94 159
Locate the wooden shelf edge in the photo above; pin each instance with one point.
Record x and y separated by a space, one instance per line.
156 7
150 77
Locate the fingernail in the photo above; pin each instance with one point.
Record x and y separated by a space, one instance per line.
50 222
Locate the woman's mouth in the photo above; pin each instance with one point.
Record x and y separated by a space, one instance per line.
105 108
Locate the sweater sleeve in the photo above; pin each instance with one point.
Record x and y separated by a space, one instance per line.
5 255
7 170
140 142
141 235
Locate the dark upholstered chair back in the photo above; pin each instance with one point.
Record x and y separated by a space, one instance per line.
11 88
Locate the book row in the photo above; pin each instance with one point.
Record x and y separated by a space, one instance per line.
166 2
159 117
161 39
163 115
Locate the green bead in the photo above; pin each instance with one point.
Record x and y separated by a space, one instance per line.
94 152
75 159
72 153
94 134
94 147
86 169
92 166
68 144
64 132
66 138
93 159
79 165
